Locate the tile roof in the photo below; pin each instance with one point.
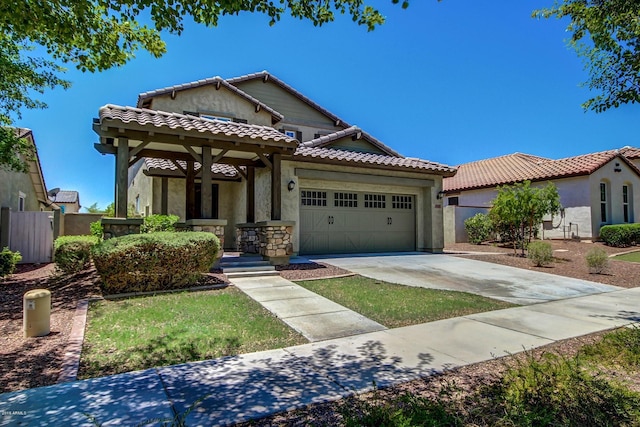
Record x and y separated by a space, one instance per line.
189 123
65 196
519 167
210 81
371 159
350 131
270 77
168 165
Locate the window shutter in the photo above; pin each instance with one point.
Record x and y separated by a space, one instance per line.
240 120
299 136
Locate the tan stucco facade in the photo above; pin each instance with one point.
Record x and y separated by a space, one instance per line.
211 101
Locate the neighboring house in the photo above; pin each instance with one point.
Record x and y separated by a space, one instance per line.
595 189
275 156
24 191
69 201
23 196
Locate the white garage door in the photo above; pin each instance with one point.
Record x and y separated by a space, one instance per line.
349 222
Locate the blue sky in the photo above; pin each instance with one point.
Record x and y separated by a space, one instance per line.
451 81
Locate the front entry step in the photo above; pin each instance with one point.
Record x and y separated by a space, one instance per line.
246 267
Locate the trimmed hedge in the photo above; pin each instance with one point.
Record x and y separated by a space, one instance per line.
156 222
73 253
154 261
8 261
620 235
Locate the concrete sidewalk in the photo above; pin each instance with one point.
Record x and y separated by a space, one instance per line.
249 386
315 317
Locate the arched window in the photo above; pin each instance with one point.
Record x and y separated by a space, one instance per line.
627 205
604 202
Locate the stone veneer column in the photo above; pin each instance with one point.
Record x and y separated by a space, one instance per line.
276 245
116 227
247 238
215 226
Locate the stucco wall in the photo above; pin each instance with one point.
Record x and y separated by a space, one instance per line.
574 195
208 100
11 184
141 186
454 218
78 224
615 181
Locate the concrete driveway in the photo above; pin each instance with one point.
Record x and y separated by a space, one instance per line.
437 271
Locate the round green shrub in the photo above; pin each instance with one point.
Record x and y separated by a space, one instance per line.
8 261
73 253
154 261
479 228
597 260
540 253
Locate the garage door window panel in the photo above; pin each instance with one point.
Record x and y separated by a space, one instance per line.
375 201
345 200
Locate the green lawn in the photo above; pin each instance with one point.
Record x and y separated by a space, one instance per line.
396 305
140 333
631 257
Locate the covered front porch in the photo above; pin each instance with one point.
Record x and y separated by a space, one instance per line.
204 157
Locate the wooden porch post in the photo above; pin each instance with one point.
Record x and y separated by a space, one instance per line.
205 188
122 169
164 195
251 194
276 187
190 189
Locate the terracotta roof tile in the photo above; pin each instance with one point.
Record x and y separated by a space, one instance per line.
350 131
168 165
294 92
519 167
205 82
371 159
189 123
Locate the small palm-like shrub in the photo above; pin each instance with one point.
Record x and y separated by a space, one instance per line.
8 261
479 228
597 260
73 253
540 253
154 261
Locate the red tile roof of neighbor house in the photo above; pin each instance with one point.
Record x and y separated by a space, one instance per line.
520 167
371 159
214 81
185 122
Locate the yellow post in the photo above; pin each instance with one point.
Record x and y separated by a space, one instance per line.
36 313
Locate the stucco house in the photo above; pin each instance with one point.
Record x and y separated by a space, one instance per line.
281 174
68 200
24 191
595 189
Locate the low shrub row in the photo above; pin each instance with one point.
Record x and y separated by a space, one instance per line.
154 261
620 235
73 253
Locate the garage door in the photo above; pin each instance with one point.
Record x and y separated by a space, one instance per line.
348 222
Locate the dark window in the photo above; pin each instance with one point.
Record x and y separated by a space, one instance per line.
453 201
313 198
345 200
625 202
214 201
375 201
402 202
603 202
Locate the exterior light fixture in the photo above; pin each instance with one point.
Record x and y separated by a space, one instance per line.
291 185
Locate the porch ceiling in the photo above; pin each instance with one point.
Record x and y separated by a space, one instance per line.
159 134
